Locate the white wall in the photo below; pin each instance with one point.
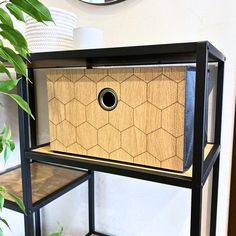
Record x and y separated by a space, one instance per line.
124 206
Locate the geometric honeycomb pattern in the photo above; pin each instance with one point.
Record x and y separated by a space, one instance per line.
146 127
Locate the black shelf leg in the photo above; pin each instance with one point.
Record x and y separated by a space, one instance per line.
214 197
29 224
37 223
196 211
91 204
25 163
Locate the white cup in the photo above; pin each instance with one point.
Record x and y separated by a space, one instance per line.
87 38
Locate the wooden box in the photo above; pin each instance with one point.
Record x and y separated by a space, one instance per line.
140 115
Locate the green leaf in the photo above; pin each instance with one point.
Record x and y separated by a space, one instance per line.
12 145
3 190
34 8
5 222
22 103
1 232
15 11
18 63
8 135
3 69
59 230
15 38
17 200
7 152
1 145
55 234
5 18
8 85
1 202
4 129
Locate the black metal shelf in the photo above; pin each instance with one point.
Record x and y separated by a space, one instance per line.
200 53
134 55
44 154
45 184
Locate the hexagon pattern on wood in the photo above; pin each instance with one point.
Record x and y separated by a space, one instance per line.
173 119
85 90
121 155
121 117
147 117
119 74
69 137
162 92
86 135
133 91
101 117
166 146
109 138
97 151
133 141
66 85
108 82
75 112
59 116
146 127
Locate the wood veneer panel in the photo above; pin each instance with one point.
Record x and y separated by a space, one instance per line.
147 126
46 179
46 149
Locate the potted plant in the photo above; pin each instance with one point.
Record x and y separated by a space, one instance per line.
17 57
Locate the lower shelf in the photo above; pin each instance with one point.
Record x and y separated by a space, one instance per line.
48 182
43 153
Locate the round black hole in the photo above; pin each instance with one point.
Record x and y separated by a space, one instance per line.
108 99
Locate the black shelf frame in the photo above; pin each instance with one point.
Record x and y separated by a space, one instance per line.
201 53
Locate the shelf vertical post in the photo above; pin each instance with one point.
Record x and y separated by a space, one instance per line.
201 94
219 101
25 163
37 223
216 167
31 95
91 203
214 197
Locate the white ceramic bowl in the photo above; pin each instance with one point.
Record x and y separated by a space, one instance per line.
48 36
55 16
50 43
39 44
57 12
65 21
52 39
48 32
52 28
50 49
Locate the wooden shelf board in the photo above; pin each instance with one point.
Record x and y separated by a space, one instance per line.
46 149
46 179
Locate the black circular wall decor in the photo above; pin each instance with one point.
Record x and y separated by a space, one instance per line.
101 2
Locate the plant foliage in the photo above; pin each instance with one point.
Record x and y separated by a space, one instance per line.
59 230
16 56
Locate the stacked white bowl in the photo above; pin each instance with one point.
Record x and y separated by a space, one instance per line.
51 37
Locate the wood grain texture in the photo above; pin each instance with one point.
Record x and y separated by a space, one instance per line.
47 150
146 127
46 179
